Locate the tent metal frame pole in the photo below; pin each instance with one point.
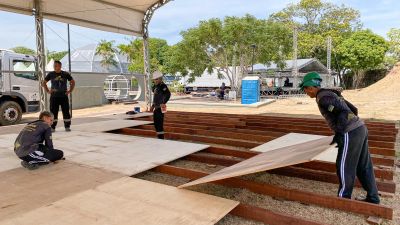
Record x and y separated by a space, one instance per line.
147 72
69 67
41 58
146 54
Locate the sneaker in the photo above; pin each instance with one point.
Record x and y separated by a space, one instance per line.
364 199
25 164
53 130
67 129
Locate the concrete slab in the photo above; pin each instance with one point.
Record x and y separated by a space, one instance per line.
136 156
103 126
23 190
298 138
273 159
131 201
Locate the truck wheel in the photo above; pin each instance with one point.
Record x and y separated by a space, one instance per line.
10 113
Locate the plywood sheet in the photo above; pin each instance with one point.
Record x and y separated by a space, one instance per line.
277 158
71 143
137 156
8 160
131 201
126 116
76 142
298 138
23 190
109 125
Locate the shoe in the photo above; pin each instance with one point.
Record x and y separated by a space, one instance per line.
53 130
25 164
364 199
67 129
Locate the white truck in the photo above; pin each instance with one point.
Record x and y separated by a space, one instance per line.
19 86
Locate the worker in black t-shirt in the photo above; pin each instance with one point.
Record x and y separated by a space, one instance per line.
59 94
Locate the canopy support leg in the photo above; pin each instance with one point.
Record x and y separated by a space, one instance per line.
41 60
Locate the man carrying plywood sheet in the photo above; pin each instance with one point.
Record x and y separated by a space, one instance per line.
29 144
351 135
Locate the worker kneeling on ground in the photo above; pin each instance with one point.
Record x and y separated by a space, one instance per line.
161 97
351 136
29 144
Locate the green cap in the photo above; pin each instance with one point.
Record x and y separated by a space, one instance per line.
312 79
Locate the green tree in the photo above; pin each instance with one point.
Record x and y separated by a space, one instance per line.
227 44
24 50
107 51
56 55
393 55
361 52
158 49
316 20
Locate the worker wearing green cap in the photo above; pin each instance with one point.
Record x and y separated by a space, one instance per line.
351 136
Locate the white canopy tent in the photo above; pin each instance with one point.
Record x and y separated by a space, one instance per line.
130 17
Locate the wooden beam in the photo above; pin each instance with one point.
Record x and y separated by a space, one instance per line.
269 217
377 159
223 141
343 204
272 117
291 171
223 134
383 186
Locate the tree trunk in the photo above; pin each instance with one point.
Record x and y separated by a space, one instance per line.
357 78
341 81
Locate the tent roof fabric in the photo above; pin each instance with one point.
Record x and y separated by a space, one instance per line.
118 16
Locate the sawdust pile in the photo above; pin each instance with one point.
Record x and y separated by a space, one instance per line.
387 88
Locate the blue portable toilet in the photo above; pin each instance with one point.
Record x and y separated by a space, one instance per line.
250 90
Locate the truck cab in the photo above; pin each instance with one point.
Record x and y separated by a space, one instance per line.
19 86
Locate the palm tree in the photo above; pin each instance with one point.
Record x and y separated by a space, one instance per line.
107 51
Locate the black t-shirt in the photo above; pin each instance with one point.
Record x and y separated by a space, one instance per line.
161 94
58 82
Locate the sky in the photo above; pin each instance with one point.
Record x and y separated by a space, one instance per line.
179 15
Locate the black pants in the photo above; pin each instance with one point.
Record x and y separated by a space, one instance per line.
158 118
43 156
55 103
354 159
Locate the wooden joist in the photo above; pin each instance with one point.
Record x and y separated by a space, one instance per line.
230 139
292 171
288 194
269 217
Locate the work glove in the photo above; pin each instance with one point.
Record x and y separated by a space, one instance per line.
336 139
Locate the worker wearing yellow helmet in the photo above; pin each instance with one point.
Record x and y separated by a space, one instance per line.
351 136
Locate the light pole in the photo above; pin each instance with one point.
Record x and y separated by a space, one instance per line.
253 46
